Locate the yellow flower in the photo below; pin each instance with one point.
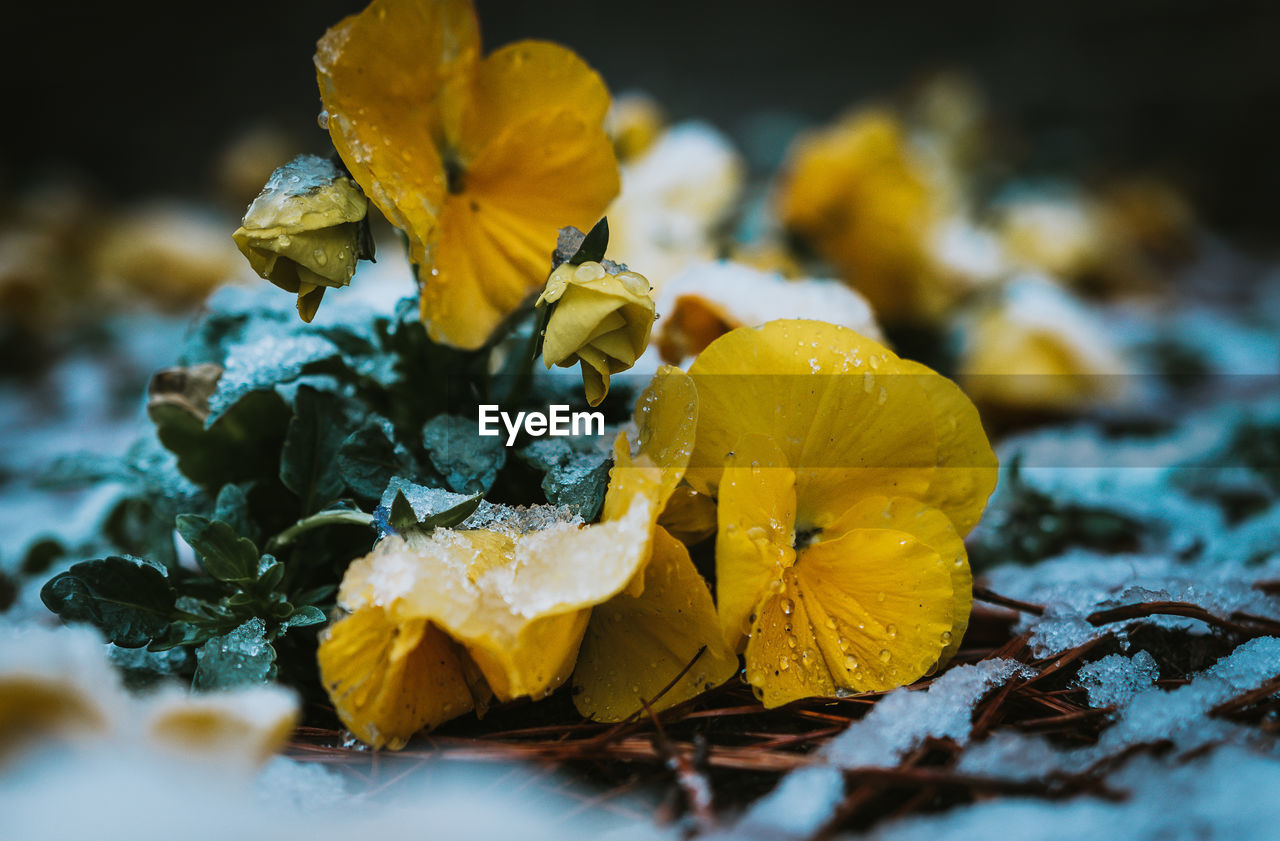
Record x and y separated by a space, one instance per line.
479 162
858 195
845 479
664 625
710 299
1040 348
598 319
243 727
302 232
634 122
436 622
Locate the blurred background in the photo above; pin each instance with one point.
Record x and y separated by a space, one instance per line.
142 99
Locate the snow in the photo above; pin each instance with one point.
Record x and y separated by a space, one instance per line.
904 718
1113 680
898 723
1224 796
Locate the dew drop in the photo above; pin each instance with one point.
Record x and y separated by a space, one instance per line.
851 662
788 607
892 631
885 656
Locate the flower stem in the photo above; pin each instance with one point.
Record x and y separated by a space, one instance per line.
324 518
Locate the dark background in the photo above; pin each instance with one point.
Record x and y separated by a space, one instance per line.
140 98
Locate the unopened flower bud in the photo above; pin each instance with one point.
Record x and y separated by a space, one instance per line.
302 232
599 320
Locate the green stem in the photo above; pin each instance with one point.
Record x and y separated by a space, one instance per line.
324 518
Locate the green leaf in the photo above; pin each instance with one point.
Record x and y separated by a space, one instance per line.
40 556
594 245
129 600
403 518
368 459
232 508
223 553
137 525
182 634
302 617
243 443
309 459
270 572
576 471
468 463
242 657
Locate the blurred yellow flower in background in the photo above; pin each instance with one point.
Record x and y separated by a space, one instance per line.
858 195
845 479
709 299
479 162
599 319
1038 347
302 232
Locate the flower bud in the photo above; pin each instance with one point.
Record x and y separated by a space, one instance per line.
302 232
598 319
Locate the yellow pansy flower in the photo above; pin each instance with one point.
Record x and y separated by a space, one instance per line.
845 479
301 233
599 319
1037 347
859 196
436 621
664 625
479 161
242 727
709 299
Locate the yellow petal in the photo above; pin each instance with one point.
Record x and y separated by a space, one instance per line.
832 400
757 517
689 516
635 647
666 416
784 661
579 316
857 194
383 75
881 603
242 726
932 528
388 679
967 466
520 81
497 236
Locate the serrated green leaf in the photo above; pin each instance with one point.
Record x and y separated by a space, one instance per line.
224 554
309 458
242 657
129 600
